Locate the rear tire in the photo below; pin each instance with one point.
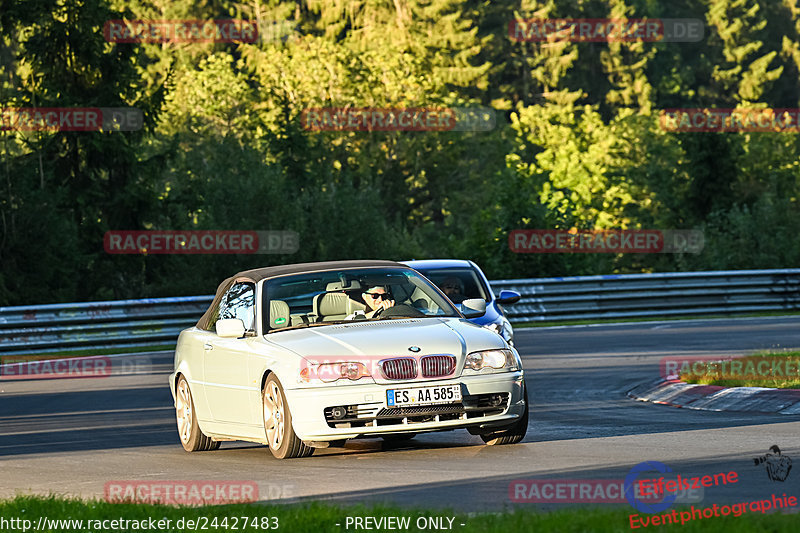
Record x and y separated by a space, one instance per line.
192 439
281 438
514 433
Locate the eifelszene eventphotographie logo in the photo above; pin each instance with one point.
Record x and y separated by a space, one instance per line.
631 478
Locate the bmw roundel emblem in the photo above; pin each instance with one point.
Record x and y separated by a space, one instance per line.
414 349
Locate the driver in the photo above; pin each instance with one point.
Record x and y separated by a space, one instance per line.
376 299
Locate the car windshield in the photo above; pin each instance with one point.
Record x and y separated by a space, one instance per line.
458 284
335 296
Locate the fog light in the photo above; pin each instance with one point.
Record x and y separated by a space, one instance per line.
338 412
496 400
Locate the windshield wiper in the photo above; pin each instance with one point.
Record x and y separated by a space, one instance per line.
311 324
405 317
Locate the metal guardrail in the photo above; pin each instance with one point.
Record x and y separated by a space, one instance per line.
79 326
158 321
652 295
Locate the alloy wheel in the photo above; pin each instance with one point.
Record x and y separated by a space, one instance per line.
183 407
274 415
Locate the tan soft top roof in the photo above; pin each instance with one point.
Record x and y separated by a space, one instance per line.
258 274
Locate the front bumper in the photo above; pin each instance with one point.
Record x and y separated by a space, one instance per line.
369 414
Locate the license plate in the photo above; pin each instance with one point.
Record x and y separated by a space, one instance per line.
424 395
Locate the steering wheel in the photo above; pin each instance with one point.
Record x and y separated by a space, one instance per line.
400 310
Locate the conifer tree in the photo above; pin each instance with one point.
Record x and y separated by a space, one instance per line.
625 64
744 73
791 45
545 63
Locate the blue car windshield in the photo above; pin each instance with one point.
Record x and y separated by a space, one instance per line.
458 284
337 296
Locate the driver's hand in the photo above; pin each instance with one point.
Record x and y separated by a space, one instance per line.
386 304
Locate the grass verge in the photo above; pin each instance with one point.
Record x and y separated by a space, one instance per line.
761 369
323 518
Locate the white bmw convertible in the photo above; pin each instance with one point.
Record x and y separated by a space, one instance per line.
309 355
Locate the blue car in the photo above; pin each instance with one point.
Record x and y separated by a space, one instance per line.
461 280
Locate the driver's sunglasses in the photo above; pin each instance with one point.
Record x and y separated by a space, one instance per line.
454 287
376 295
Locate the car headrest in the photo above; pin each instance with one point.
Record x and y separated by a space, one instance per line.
402 293
332 303
278 314
339 286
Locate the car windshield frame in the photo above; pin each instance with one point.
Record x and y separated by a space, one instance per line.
365 276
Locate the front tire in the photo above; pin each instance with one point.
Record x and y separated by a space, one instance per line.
281 438
192 438
514 433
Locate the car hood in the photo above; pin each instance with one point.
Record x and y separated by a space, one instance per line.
374 341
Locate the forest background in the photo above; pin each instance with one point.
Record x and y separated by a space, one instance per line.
578 142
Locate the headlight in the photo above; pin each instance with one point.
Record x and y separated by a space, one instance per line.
502 360
330 372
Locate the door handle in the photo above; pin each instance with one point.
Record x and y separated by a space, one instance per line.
207 347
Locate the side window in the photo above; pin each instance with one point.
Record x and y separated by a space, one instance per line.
238 302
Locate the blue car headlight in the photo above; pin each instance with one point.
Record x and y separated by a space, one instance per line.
502 329
494 326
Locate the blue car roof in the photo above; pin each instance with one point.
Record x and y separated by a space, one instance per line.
438 263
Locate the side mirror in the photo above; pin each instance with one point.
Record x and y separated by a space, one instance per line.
230 327
474 307
508 297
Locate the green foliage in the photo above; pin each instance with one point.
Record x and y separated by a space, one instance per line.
570 171
577 141
625 64
743 75
762 235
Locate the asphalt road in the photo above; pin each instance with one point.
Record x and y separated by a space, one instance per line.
71 436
